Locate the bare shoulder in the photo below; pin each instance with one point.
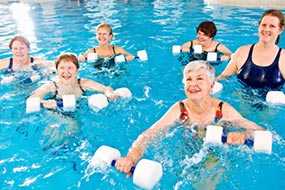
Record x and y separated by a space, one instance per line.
119 49
281 61
187 44
243 50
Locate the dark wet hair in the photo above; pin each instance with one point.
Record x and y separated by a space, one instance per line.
278 14
207 27
67 57
20 39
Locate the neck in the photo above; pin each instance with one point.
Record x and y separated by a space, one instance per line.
200 106
207 44
70 82
21 60
104 45
265 45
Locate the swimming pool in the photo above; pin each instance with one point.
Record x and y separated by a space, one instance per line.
30 159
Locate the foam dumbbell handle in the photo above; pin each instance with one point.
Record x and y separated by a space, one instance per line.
249 142
59 103
132 170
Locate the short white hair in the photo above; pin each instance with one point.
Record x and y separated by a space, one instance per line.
199 64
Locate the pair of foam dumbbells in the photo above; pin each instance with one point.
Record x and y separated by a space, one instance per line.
211 56
261 142
141 55
68 102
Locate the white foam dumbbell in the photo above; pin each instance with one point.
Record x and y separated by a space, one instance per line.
92 57
123 92
214 134
217 87
142 55
69 103
212 56
33 104
197 49
262 140
275 97
145 174
176 49
7 80
97 102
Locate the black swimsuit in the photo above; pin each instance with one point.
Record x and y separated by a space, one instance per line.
204 54
261 76
106 62
10 66
56 89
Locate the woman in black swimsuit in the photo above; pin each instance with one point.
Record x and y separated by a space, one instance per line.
206 32
105 51
21 59
261 65
67 83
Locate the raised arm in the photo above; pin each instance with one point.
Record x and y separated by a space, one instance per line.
139 145
230 114
226 51
42 91
45 64
281 63
186 46
128 56
95 86
236 62
83 56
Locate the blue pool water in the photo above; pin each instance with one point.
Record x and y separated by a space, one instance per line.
33 155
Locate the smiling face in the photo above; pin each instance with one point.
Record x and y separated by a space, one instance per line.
269 29
104 35
19 49
198 80
67 71
203 38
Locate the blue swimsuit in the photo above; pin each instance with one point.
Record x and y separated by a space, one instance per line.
261 76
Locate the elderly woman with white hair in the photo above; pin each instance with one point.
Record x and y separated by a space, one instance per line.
199 109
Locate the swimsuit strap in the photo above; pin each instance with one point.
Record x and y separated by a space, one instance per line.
276 60
56 87
183 112
216 48
219 112
113 47
79 84
10 67
191 46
